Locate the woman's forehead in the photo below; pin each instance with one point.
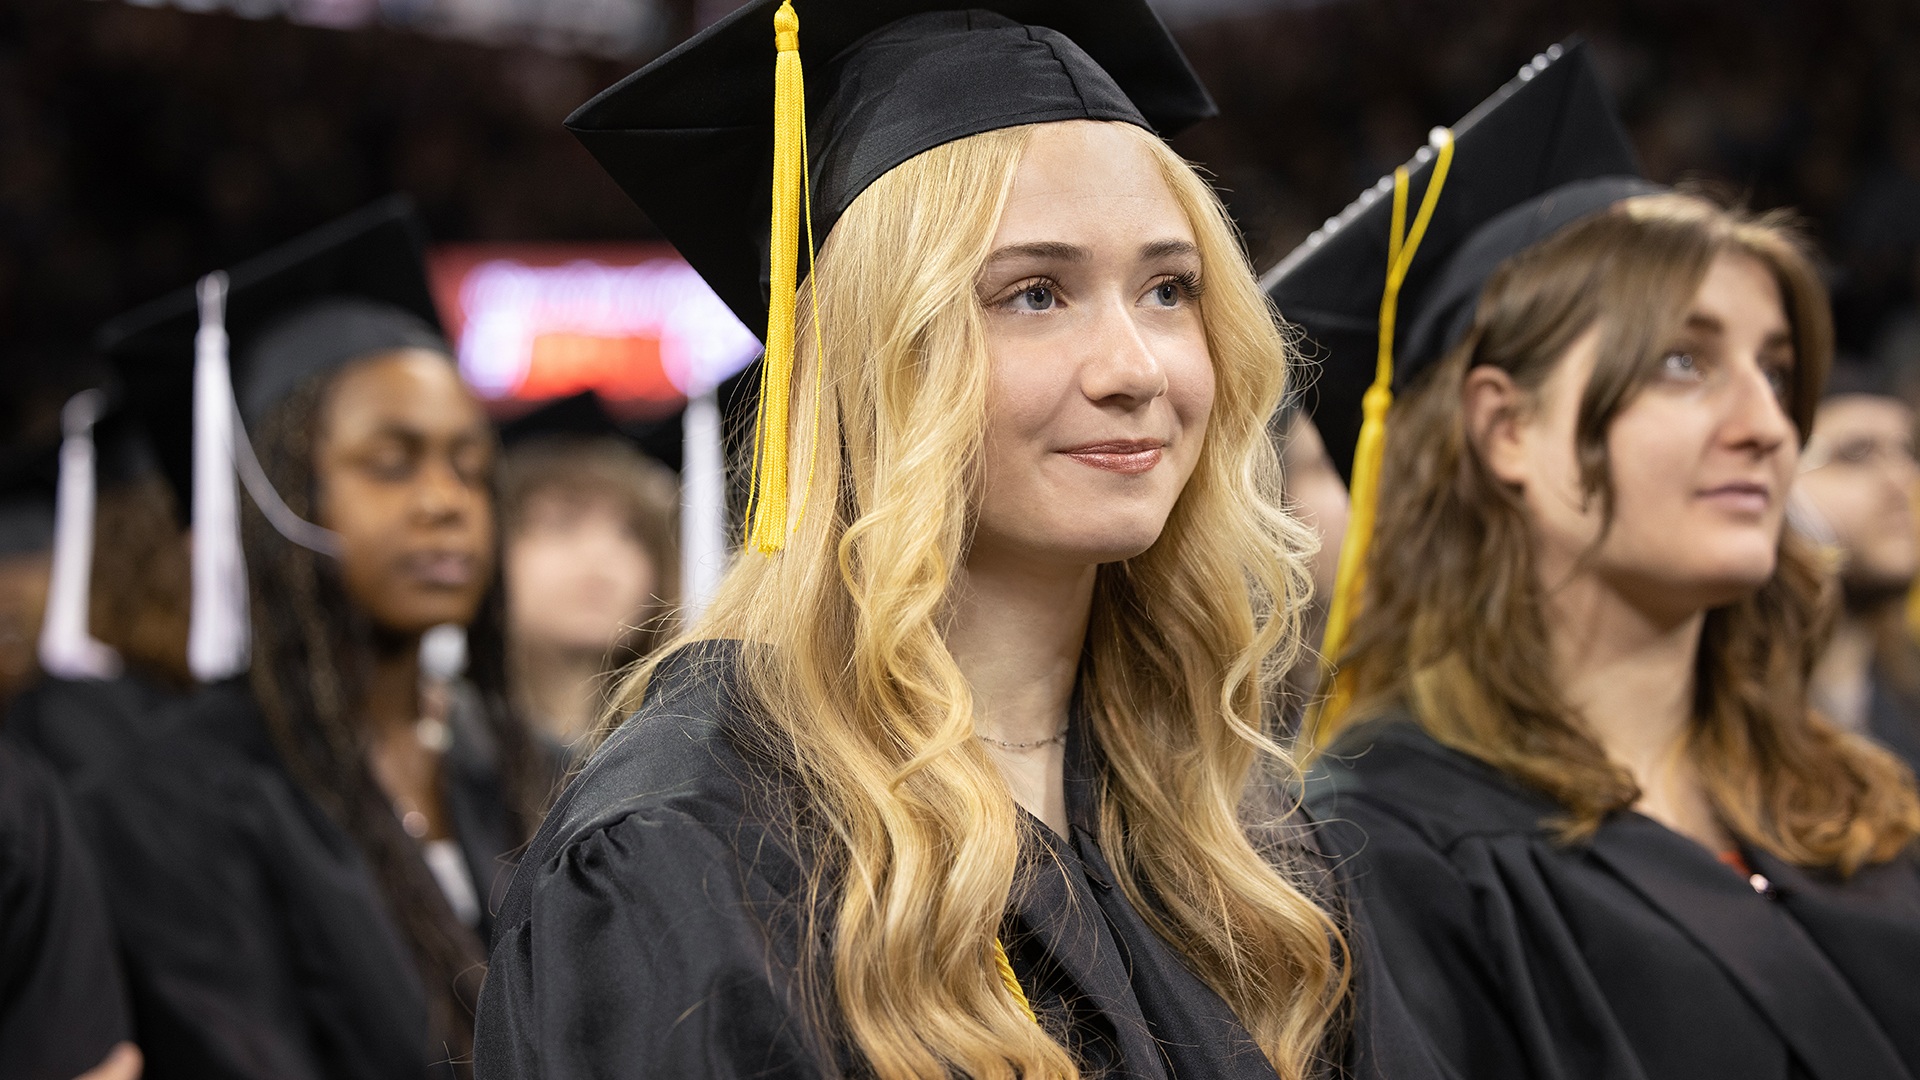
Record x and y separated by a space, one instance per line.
1079 182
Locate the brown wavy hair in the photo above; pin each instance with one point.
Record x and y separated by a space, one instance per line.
1452 625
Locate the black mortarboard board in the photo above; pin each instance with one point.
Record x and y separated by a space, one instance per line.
1545 150
29 475
577 416
353 287
690 136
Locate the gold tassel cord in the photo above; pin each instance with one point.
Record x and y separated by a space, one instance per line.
1011 981
792 204
1350 581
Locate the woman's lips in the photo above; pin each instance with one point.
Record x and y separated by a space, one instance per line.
1129 456
447 570
1745 498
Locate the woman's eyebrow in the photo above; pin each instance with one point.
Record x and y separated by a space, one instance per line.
1052 250
1166 249
1701 321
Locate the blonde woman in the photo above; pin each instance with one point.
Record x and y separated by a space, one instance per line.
955 783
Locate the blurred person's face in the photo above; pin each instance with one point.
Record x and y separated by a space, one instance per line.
1700 459
577 575
1318 497
23 606
1858 474
403 459
1101 379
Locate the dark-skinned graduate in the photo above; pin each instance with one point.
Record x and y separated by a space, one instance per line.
955 775
63 1008
1569 760
302 862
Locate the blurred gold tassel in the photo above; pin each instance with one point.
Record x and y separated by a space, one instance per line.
1351 580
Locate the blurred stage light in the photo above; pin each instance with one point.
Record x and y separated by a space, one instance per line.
634 322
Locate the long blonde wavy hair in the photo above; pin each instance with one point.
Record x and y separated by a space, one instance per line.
919 836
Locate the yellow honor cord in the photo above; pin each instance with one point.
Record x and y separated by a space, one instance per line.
1012 981
1402 243
792 204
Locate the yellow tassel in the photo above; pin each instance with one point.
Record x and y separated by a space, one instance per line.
1350 582
1012 981
792 211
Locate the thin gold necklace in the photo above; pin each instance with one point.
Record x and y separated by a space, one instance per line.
1058 736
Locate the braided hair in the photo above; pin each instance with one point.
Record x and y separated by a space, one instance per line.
313 656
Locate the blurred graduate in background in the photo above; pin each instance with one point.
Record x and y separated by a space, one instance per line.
1317 495
1569 758
63 1007
301 861
110 645
1855 495
590 527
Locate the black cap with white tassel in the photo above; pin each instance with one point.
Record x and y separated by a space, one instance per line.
67 648
220 633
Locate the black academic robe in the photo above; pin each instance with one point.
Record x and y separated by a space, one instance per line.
653 928
1637 956
80 725
62 1003
257 942
1893 718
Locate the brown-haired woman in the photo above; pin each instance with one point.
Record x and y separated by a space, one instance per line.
590 557
1585 801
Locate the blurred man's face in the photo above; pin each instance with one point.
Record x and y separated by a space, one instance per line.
1858 474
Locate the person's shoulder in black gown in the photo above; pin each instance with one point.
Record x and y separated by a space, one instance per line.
257 942
1637 953
657 917
62 1000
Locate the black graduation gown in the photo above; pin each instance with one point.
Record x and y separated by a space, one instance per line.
62 1003
79 725
653 927
1637 955
1893 719
257 942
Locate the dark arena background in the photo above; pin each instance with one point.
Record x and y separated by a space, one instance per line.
140 146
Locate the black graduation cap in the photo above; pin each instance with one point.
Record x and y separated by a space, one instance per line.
577 416
690 137
1542 152
28 477
353 287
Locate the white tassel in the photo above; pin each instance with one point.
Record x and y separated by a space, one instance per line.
220 634
704 550
68 649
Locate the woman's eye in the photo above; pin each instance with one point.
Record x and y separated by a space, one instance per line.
1036 297
1780 379
389 463
1855 451
1681 365
1173 291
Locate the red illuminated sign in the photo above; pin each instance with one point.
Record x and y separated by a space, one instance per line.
633 322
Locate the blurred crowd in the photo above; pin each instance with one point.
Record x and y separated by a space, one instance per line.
145 144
